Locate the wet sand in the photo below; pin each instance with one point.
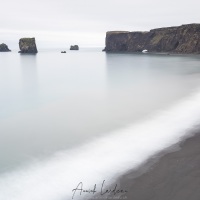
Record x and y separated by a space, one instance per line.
171 176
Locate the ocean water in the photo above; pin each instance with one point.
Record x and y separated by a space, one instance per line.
87 116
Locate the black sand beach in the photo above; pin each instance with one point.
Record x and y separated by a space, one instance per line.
175 176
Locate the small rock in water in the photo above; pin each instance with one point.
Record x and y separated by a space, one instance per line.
63 51
74 47
4 48
27 45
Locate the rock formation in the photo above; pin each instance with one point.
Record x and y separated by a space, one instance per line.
4 48
63 51
27 45
181 39
74 47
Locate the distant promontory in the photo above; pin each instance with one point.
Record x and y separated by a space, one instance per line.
4 48
27 45
183 39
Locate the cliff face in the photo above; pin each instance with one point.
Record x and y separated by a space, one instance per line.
4 48
27 45
181 39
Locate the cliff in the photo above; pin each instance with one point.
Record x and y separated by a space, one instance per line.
4 48
180 39
27 45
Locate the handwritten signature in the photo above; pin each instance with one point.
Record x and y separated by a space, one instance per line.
79 189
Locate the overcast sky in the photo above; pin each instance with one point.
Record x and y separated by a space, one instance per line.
85 22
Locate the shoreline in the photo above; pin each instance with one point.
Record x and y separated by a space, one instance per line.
173 174
154 53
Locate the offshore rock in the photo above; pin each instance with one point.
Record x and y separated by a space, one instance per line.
74 47
4 48
27 45
183 39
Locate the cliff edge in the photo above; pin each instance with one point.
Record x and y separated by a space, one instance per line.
181 39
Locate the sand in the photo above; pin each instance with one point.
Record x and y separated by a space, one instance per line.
173 176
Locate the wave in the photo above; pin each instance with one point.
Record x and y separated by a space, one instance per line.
101 159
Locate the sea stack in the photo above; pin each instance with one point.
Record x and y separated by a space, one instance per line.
183 39
74 47
27 45
4 48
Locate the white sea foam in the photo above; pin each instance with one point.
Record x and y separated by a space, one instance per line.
103 158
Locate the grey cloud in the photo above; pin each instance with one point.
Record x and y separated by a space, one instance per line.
95 17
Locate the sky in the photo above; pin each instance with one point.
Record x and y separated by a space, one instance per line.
59 23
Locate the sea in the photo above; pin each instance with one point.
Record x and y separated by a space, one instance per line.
81 119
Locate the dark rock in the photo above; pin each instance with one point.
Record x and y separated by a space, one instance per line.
63 51
27 45
4 48
74 47
181 39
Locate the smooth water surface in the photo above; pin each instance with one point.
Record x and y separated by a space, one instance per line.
51 101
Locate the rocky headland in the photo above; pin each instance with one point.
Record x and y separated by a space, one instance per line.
27 45
183 39
4 48
74 47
